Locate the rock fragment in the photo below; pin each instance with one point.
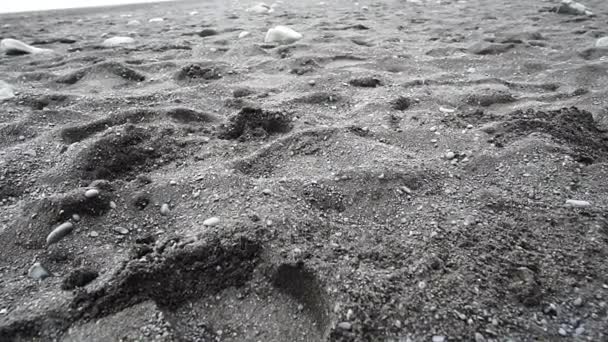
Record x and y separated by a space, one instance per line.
38 272
573 8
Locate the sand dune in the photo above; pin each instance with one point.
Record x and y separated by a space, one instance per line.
402 171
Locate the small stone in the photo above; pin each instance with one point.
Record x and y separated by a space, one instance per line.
243 34
267 192
38 272
433 129
578 302
550 309
156 20
172 182
211 222
14 47
6 91
438 338
260 8
312 82
93 234
121 230
562 332
282 35
578 203
345 325
112 205
30 152
579 331
602 42
450 155
117 41
422 285
574 8
134 23
164 209
59 233
91 193
479 337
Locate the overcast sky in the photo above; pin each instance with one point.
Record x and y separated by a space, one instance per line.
37 5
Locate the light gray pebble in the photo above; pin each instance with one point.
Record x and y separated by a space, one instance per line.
212 221
38 272
164 209
59 233
121 230
91 193
345 325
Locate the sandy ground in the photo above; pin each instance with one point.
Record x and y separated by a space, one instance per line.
399 174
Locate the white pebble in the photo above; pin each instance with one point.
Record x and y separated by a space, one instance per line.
93 234
91 193
59 233
117 41
164 209
156 20
9 45
6 91
243 34
577 203
121 230
212 221
260 8
133 23
282 35
345 326
450 155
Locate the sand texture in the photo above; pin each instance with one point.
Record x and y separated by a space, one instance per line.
406 171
